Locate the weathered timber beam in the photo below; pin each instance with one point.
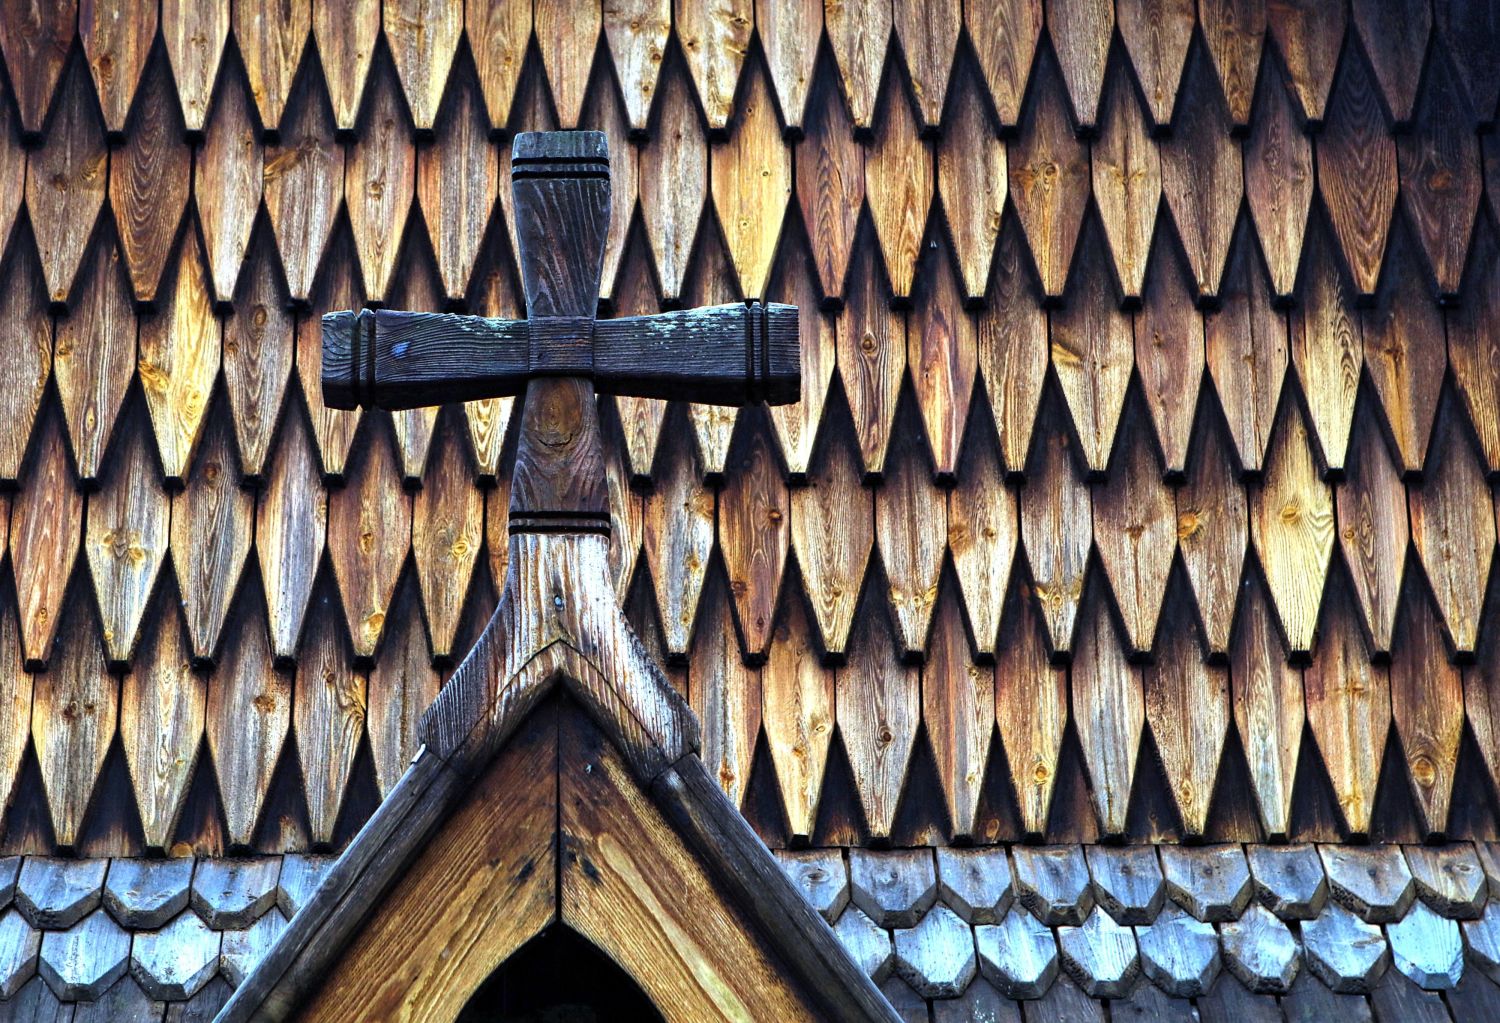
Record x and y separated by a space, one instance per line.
721 355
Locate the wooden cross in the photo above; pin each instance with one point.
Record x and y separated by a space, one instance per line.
557 616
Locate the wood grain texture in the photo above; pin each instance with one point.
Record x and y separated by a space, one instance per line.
751 176
878 705
213 520
1126 173
162 707
271 39
636 32
332 429
725 694
830 168
833 532
1326 349
754 527
401 686
116 37
303 183
380 180
258 351
1427 703
797 711
15 706
1373 531
457 179
1268 707
1080 32
604 112
899 186
1472 353
1469 32
65 183
1093 352
1482 708
493 292
1395 37
910 532
1202 176
230 172
1278 180
497 34
423 38
958 710
290 525
1440 164
195 34
1213 531
46 520
179 360
369 526
567 35
1013 349
447 521
972 180
1109 712
674 181
714 40
94 357
1246 344
1031 706
1169 354
928 35
73 713
1357 173
942 351
1348 709
783 27
328 715
1292 525
248 713
678 536
871 358
1004 36
982 534
26 335
641 419
859 33
36 40
1135 532
796 425
1453 527
1056 528
1308 37
415 286
1049 179
126 540
1156 34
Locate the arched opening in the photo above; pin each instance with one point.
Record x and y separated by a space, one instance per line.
559 977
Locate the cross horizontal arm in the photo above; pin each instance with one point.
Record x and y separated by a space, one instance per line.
719 355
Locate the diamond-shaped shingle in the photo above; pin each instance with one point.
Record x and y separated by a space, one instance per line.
19 945
300 876
82 961
975 882
174 962
1127 882
242 950
893 888
1259 950
820 875
55 893
936 957
232 894
1427 948
867 944
1018 955
1100 955
1371 881
1449 879
145 894
1211 882
1179 953
1289 880
1053 882
1348 954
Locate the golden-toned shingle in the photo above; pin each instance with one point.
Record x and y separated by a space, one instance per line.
1126 172
1213 530
928 36
446 531
1031 706
972 181
457 178
911 534
1004 35
797 710
26 338
195 32
271 38
369 532
117 37
567 34
1308 35
36 39
1235 31
402 685
328 714
637 33
1268 707
958 708
859 33
259 342
227 184
1372 525
15 701
724 692
379 182
796 425
982 534
754 520
679 537
1357 174
871 356
752 182
1326 348
785 28
1080 31
942 351
291 521
1013 348
46 520
1169 353
830 169
423 39
304 182
1056 526
497 33
898 185
1049 179
674 181
1427 702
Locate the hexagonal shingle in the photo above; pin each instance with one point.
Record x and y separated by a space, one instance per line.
1127 882
1427 948
300 876
936 957
1100 955
55 894
10 869
1449 879
82 961
1373 882
866 943
975 882
1483 938
1179 953
232 894
1260 951
243 950
894 888
1289 880
818 874
19 945
174 962
145 894
1018 955
1346 953
1053 882
1211 882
